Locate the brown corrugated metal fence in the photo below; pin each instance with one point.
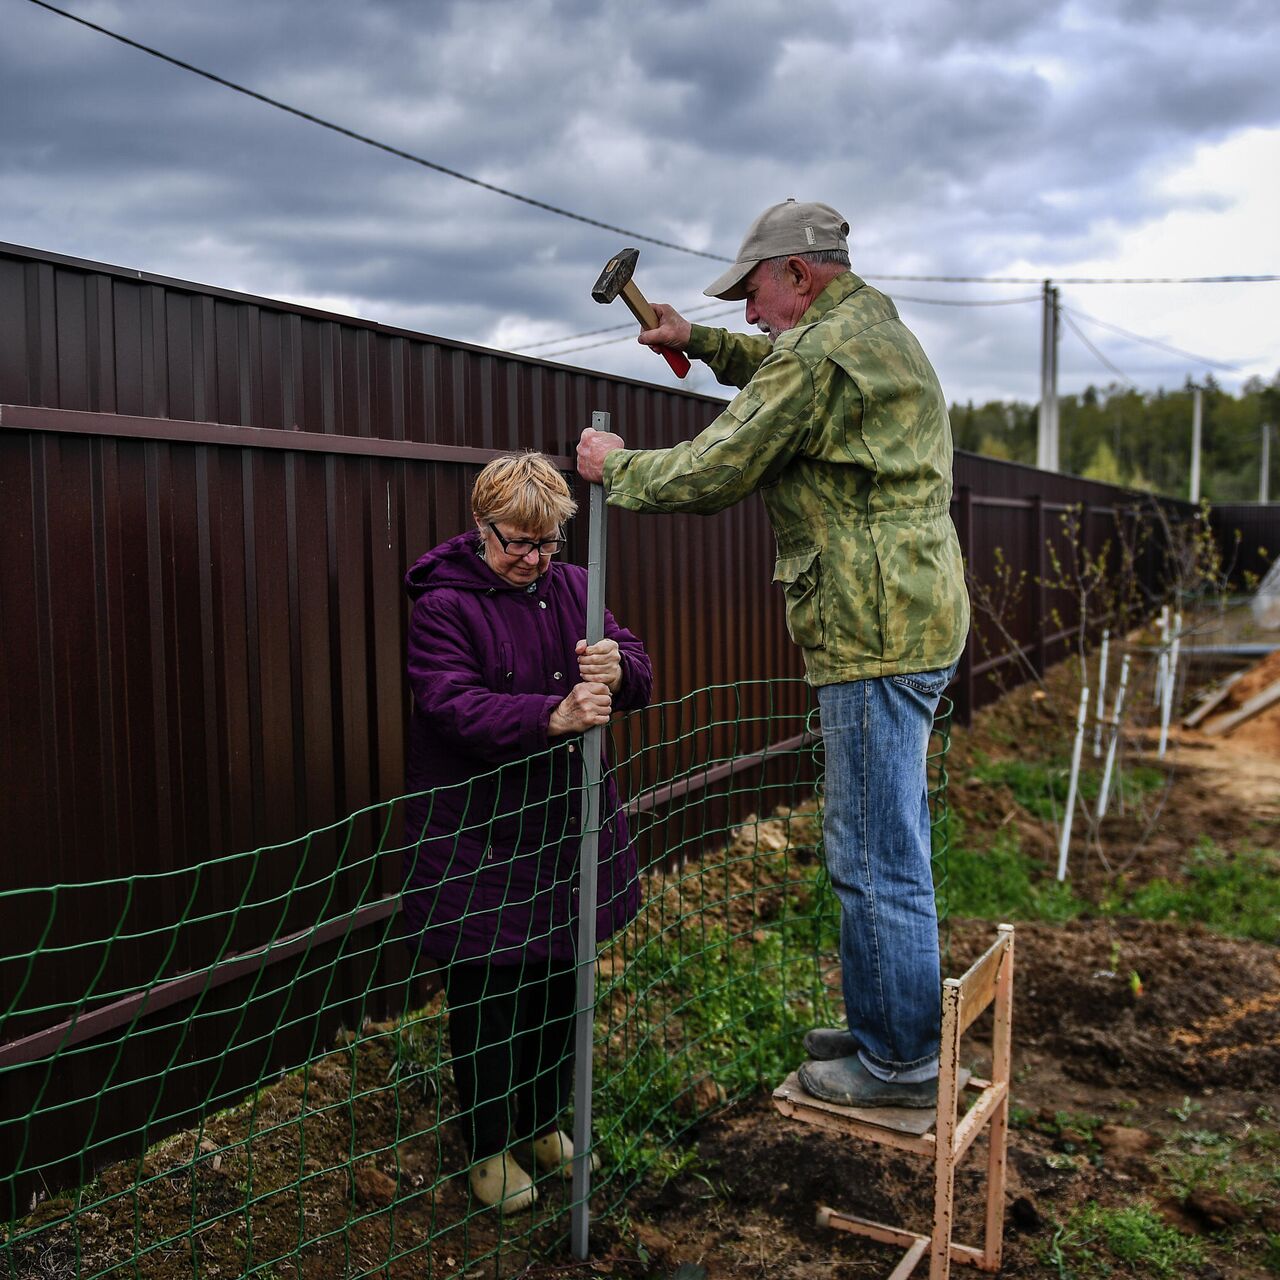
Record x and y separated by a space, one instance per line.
207 504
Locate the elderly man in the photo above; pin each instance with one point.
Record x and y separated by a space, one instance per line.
842 426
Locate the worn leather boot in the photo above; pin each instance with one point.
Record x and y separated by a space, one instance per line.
846 1082
500 1181
824 1043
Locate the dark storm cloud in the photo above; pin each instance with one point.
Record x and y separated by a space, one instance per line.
956 138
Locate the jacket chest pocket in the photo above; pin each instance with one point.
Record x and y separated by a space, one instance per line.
801 579
504 674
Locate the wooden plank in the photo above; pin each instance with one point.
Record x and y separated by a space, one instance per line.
977 1116
1212 699
1259 702
791 1099
978 983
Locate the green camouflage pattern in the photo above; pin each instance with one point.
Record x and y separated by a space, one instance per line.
842 426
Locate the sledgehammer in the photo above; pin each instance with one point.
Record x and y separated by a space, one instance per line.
616 279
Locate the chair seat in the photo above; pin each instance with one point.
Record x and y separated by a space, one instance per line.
792 1100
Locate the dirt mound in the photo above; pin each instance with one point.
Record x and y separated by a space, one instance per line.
1261 732
1146 1004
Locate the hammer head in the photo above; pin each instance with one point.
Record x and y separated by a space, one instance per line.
617 272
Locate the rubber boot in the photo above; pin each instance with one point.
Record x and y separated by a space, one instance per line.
553 1152
500 1181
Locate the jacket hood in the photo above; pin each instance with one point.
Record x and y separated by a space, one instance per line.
459 564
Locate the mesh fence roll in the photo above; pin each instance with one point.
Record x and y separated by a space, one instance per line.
252 1066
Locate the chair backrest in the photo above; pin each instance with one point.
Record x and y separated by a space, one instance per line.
977 985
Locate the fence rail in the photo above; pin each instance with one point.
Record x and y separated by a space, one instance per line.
110 1081
207 503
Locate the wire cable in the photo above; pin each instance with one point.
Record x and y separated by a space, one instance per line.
547 207
897 297
374 142
1259 279
715 307
1075 328
1152 342
966 302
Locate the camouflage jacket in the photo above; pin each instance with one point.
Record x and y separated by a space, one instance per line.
842 426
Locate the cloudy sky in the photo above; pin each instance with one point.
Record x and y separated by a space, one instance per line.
992 138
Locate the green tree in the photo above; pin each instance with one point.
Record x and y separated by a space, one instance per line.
1103 466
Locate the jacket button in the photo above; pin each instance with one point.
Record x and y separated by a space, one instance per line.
572 748
542 604
557 675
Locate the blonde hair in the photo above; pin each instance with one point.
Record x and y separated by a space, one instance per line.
522 489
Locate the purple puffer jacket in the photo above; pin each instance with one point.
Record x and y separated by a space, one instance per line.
491 850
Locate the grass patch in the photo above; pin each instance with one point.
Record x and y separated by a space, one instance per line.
998 882
1133 1241
1040 787
1237 894
1245 1169
701 1016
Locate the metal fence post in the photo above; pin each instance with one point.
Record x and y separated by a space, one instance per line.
592 747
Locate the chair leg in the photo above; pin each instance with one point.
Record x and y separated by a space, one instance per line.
998 1132
998 1137
943 1212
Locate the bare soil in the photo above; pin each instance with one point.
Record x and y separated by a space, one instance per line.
1116 1082
1117 1086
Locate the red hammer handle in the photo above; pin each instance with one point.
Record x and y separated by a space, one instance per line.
678 361
643 312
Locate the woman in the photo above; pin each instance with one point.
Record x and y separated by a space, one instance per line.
503 687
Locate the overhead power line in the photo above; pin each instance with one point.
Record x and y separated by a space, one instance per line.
1075 328
965 302
1079 279
588 346
1152 342
613 328
374 142
897 297
561 212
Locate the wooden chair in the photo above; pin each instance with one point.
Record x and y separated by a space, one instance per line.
989 979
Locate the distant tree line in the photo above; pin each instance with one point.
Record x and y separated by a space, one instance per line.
1142 439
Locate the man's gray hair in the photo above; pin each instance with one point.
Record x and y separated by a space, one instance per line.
815 258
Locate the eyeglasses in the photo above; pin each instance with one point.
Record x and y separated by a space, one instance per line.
522 546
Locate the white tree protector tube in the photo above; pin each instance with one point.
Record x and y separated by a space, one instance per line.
1105 790
1170 683
1081 717
1164 649
1102 692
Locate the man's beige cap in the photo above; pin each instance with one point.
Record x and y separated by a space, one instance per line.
781 229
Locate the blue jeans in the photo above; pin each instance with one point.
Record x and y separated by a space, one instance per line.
875 828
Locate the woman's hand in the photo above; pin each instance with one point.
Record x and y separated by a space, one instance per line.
600 662
586 706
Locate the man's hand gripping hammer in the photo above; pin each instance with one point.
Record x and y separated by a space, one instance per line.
616 279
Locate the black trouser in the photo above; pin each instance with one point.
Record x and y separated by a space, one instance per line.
511 1037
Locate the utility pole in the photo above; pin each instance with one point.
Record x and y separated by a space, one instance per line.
1197 417
1047 424
1265 470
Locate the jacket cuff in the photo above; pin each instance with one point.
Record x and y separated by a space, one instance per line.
534 731
612 461
704 341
